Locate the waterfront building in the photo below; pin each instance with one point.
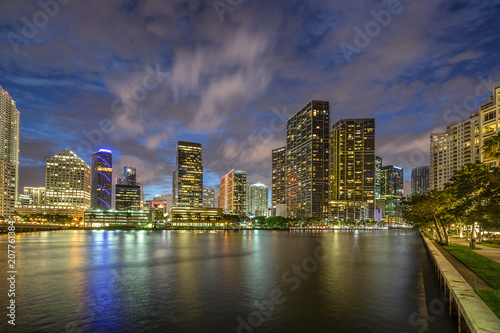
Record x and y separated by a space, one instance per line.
233 192
127 197
50 212
187 182
392 192
451 150
37 194
420 178
67 180
196 217
257 200
117 218
101 187
208 198
278 189
489 125
129 175
9 153
352 167
307 160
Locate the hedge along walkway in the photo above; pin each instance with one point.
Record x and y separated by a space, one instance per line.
488 252
472 278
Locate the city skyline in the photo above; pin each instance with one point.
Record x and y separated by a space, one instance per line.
239 113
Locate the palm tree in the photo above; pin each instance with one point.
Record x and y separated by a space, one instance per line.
491 147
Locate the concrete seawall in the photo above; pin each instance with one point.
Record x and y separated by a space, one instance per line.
473 314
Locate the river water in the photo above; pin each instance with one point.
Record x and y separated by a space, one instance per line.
243 281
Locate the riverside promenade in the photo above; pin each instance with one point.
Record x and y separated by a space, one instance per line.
490 252
473 314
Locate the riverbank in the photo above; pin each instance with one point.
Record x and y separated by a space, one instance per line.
472 312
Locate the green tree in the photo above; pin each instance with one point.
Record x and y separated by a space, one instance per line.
491 147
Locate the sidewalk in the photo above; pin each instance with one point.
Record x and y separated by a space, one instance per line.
489 252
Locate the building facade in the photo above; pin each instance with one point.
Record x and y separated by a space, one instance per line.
489 124
378 167
391 193
127 197
37 194
450 150
307 160
67 180
117 218
208 198
420 179
278 190
9 153
233 192
257 200
102 172
187 182
352 167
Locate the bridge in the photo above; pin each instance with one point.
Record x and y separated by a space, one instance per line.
24 227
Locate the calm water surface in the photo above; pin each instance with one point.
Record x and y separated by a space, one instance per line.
247 281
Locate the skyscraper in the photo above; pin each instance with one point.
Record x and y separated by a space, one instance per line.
307 158
208 198
257 201
102 169
352 167
452 149
392 191
278 196
67 180
378 167
127 197
420 180
9 153
129 175
187 182
233 192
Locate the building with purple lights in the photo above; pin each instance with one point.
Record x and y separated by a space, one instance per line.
102 169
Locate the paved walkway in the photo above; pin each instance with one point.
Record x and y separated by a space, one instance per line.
489 252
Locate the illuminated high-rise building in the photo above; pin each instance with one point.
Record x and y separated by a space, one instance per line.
102 170
420 180
233 192
307 160
127 197
352 167
9 153
452 149
378 167
278 195
187 183
257 200
391 192
67 180
208 198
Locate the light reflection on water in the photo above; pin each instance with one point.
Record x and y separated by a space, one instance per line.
132 281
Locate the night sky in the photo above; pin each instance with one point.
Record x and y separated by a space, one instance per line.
137 76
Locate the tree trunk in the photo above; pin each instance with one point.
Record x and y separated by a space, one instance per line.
461 229
467 233
447 238
438 231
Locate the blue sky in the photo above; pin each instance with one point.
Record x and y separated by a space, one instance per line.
137 76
